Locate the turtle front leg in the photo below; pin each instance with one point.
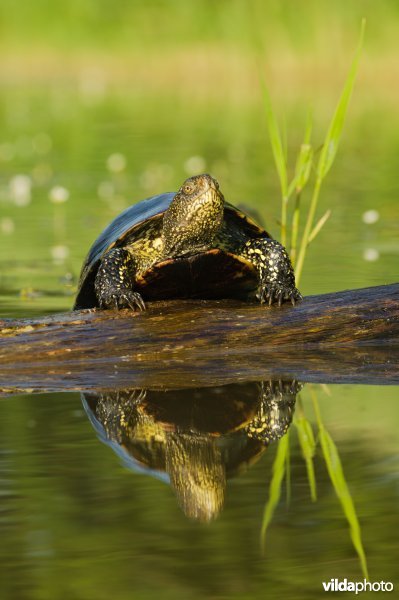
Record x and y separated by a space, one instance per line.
275 272
114 281
276 408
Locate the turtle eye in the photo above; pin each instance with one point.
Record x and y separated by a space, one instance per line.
188 188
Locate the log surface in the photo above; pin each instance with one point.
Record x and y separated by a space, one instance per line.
350 336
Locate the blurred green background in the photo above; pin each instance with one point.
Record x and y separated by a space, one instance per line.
103 105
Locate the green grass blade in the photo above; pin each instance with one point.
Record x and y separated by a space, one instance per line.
308 447
308 228
319 225
302 173
275 141
302 169
329 151
295 228
337 477
304 166
334 132
288 477
279 158
304 161
279 466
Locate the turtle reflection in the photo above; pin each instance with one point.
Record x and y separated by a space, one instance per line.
194 438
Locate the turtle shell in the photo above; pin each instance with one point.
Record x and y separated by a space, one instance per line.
211 274
220 412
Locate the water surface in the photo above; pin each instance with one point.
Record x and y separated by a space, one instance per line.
78 521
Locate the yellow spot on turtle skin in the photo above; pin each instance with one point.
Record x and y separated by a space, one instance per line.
157 243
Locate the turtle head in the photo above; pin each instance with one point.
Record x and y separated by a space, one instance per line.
194 216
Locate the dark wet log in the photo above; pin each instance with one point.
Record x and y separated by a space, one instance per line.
350 336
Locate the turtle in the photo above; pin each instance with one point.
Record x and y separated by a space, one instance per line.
189 244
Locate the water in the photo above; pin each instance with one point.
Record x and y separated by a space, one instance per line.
76 519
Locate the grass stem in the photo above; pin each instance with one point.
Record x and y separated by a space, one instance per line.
284 203
308 229
295 228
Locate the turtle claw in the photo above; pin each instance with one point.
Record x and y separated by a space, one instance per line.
137 395
118 299
295 297
270 296
134 300
271 293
